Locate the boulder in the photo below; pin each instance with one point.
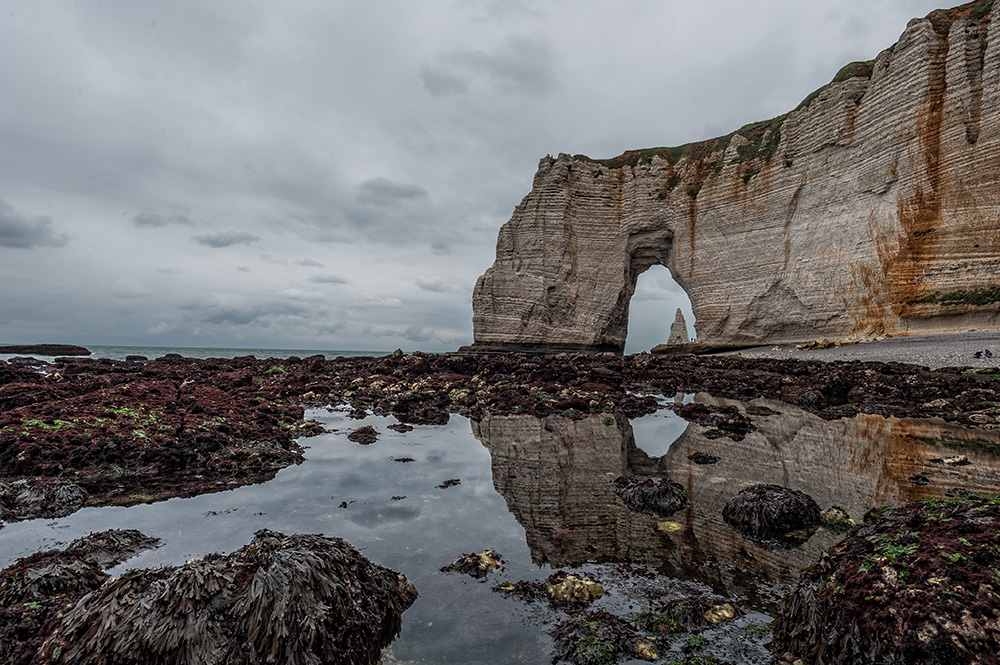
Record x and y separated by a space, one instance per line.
768 511
660 497
298 599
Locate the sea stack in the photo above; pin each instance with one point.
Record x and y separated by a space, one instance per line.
678 330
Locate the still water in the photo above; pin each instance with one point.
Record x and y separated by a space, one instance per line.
536 491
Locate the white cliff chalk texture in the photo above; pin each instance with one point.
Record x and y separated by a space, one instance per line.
872 209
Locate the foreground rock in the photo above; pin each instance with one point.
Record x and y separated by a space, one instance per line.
917 585
286 599
660 497
36 590
741 219
48 498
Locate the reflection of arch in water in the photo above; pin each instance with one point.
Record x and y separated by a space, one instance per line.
554 472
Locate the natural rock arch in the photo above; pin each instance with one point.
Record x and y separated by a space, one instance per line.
870 209
654 306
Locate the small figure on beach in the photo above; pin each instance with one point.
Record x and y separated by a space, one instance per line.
977 355
988 353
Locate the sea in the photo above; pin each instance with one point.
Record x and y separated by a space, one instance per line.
153 352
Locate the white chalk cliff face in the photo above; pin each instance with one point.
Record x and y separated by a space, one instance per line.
872 209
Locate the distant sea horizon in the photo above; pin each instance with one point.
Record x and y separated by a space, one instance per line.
154 352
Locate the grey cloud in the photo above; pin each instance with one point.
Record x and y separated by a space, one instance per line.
328 279
226 239
522 62
383 192
440 248
435 284
21 231
440 82
309 263
243 268
411 333
245 315
149 218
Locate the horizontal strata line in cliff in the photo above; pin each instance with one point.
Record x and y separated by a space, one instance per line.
764 136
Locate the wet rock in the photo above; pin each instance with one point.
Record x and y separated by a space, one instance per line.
451 482
46 498
723 420
836 518
699 457
475 565
915 585
572 589
402 428
35 590
767 511
286 599
688 614
366 435
659 497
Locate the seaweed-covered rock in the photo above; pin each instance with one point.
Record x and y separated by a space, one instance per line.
29 499
35 590
688 614
596 637
919 585
286 599
767 511
366 435
660 497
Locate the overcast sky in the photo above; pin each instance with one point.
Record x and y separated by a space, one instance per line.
332 175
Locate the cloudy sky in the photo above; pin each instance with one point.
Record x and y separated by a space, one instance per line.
332 175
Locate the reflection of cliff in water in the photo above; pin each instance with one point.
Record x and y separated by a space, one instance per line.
554 473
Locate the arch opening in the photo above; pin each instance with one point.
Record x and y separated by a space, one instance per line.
652 308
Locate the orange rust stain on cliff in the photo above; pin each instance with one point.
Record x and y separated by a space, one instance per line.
919 213
865 302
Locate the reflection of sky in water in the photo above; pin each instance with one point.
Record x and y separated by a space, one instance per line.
654 434
454 619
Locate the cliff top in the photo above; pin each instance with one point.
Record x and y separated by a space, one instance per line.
764 136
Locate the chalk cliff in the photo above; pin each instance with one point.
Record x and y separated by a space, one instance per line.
873 208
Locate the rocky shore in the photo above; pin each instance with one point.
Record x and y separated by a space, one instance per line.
132 432
79 432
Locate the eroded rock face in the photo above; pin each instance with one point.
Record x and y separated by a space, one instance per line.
869 209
